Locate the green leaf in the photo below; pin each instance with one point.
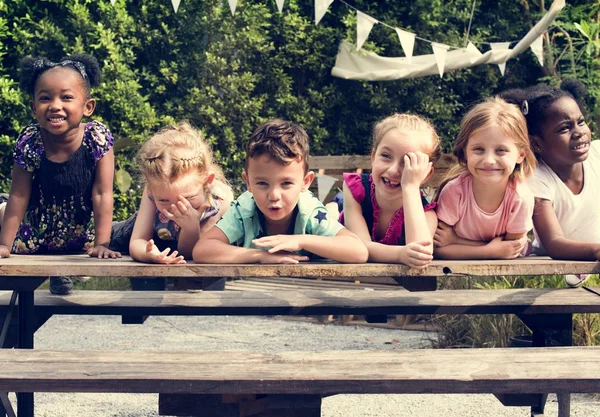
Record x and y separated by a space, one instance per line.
123 180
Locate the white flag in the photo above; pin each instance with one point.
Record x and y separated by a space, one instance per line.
407 40
321 7
232 6
324 185
499 46
472 49
538 49
280 5
364 24
439 53
175 4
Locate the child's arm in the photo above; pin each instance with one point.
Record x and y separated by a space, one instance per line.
551 236
141 245
214 247
20 192
345 246
102 203
418 225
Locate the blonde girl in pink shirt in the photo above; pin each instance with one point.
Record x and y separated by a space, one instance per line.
484 208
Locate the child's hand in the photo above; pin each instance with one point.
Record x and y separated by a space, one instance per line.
102 252
184 214
417 255
276 243
506 249
416 168
153 254
281 257
4 251
444 235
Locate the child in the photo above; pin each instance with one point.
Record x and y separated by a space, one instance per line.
485 210
185 195
387 209
566 217
278 220
63 170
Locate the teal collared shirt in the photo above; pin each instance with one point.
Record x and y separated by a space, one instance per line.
241 223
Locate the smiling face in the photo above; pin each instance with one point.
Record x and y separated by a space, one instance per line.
565 136
387 162
491 155
276 187
60 101
189 186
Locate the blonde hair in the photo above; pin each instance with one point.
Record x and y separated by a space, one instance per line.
176 151
407 122
493 111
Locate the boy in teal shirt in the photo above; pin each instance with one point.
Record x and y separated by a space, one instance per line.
278 220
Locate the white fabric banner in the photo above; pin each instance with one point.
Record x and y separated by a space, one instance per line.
321 7
407 40
369 66
439 53
364 24
175 4
324 185
232 6
503 47
280 5
538 49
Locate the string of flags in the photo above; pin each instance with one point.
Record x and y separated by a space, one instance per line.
354 63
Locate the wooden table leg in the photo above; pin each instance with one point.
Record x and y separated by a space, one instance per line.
25 341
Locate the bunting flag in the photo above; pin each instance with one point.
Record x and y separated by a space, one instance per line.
232 6
280 5
321 7
113 2
324 185
472 49
501 47
407 41
175 4
538 49
364 24
439 53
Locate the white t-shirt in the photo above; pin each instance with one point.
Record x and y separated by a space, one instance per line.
578 215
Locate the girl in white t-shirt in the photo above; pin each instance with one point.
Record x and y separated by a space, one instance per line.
567 184
484 208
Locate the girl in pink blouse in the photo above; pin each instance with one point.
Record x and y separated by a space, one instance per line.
485 208
386 208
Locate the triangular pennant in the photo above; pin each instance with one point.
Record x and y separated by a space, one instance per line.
232 6
113 2
364 24
280 5
324 185
321 7
538 49
175 4
472 49
407 40
439 53
497 46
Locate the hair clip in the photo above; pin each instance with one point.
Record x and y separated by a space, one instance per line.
525 108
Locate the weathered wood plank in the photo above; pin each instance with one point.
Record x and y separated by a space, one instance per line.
312 302
556 369
83 265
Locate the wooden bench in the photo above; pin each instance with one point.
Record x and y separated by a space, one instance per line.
293 383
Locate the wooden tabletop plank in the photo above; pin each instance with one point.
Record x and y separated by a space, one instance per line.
83 265
315 302
556 369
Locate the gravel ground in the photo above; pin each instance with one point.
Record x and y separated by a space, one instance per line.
264 335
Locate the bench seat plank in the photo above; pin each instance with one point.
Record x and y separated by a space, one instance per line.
314 302
557 369
83 265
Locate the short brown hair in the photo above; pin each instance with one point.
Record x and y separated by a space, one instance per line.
281 141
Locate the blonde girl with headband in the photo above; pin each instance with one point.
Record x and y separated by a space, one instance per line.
185 194
387 208
61 198
485 208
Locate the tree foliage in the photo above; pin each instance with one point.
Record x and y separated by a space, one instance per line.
227 74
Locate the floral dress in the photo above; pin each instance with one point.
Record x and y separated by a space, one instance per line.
59 217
